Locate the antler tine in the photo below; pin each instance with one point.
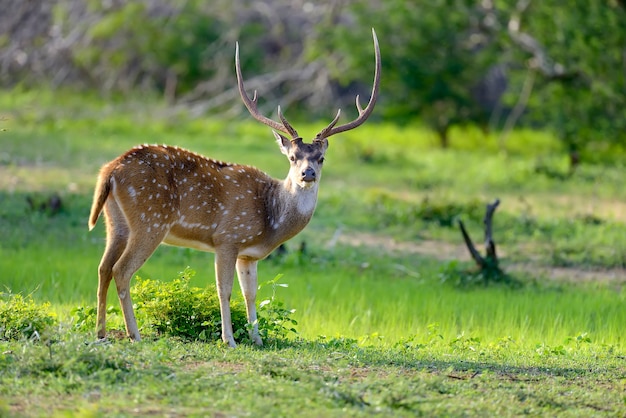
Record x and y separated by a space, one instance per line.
324 132
363 113
358 104
251 104
287 125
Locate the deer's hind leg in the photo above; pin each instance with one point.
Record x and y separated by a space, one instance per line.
134 237
140 245
117 239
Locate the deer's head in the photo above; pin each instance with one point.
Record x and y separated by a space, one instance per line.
306 159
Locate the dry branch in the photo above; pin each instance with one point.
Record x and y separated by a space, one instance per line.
470 246
263 83
490 261
490 245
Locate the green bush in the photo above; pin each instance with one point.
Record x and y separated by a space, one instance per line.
23 318
174 308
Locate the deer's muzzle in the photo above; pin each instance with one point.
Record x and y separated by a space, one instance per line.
308 175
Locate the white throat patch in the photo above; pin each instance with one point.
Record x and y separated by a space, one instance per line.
307 199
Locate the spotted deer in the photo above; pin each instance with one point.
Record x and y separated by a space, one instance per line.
155 194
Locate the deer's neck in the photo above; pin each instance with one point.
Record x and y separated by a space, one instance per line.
290 207
303 201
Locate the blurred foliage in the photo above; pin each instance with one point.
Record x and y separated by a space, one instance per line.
495 64
441 58
586 107
173 45
441 212
159 45
432 56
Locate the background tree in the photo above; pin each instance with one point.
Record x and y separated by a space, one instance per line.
579 53
539 64
436 54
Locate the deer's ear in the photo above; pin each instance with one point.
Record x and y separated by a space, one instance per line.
323 143
283 143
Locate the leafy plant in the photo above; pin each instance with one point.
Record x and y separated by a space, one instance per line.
464 343
579 340
275 320
85 317
23 318
174 308
547 350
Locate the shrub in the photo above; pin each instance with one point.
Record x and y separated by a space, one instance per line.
174 308
23 318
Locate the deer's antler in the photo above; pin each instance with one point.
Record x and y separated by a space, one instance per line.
363 113
251 105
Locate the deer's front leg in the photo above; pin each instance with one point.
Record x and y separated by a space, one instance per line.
247 273
224 275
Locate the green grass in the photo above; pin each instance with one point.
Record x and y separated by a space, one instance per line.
321 378
383 327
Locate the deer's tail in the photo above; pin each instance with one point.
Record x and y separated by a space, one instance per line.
103 188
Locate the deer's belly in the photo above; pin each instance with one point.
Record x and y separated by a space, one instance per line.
181 241
254 252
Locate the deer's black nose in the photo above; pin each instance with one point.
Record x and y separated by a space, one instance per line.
308 174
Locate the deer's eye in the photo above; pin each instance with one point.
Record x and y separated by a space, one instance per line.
321 160
292 158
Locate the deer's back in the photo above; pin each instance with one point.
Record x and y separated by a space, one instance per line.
194 201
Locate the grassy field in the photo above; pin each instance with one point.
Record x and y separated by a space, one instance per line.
384 327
